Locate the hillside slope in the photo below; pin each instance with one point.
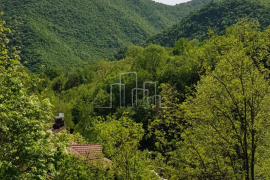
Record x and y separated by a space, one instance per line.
68 33
216 16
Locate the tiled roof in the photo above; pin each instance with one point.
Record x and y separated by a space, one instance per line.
73 151
91 151
73 143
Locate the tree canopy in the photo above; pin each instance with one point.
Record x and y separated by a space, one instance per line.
67 34
27 149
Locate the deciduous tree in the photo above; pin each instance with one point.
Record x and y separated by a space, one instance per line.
27 150
229 118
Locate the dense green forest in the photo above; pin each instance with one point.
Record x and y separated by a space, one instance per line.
72 33
215 16
215 83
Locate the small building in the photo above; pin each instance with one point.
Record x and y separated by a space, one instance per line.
88 152
59 121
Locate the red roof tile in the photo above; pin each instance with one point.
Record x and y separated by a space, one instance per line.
73 151
90 150
73 143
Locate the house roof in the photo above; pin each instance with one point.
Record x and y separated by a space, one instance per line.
92 152
73 151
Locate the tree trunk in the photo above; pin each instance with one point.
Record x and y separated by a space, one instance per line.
253 156
246 157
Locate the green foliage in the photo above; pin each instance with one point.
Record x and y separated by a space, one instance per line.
120 139
149 61
63 107
122 133
167 126
228 115
183 71
52 73
27 150
134 51
216 16
75 78
181 47
61 34
74 168
219 132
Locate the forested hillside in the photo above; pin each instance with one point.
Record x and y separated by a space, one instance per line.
218 127
69 33
195 107
215 16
